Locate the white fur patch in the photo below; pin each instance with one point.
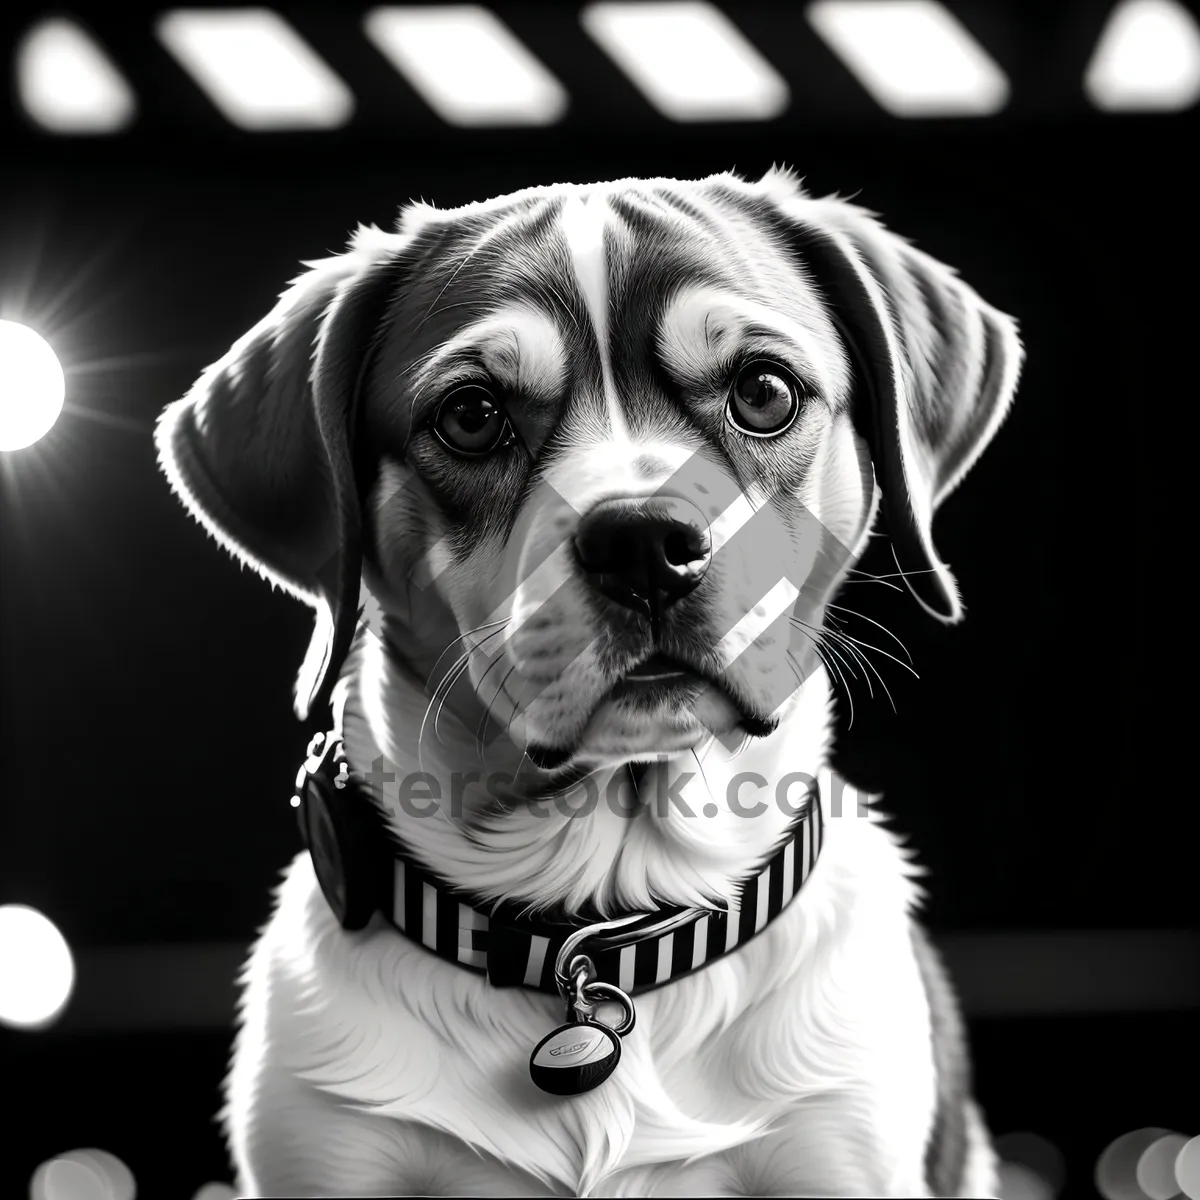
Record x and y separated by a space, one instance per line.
704 329
583 222
775 1071
520 347
592 470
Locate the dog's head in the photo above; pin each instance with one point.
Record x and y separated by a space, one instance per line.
608 449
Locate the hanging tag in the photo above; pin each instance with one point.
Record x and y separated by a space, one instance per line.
575 1058
581 1054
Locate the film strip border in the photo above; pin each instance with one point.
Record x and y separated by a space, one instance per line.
468 66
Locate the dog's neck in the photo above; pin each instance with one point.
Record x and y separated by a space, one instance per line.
683 830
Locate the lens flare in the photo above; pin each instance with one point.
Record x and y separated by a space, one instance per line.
32 386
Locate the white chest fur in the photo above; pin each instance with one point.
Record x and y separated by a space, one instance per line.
817 1030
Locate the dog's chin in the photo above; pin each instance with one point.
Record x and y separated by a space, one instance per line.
650 718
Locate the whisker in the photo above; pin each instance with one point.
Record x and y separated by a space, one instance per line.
707 745
516 708
794 663
848 693
823 648
863 616
839 638
878 650
872 579
445 684
520 763
637 792
487 705
446 696
464 657
851 644
833 649
820 647
463 636
850 648
442 692
893 574
817 634
703 777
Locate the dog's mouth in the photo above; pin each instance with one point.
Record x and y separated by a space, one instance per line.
661 677
652 685
659 674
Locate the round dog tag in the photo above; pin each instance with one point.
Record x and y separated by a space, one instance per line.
574 1059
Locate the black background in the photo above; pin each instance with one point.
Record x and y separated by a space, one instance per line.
1043 761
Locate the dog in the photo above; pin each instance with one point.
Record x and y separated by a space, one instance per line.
570 478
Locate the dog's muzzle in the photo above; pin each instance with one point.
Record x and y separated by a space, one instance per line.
645 553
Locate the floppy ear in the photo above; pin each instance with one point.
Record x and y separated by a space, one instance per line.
260 450
939 366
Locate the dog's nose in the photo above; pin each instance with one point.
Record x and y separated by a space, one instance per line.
644 552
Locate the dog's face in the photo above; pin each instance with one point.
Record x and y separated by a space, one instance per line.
608 450
591 396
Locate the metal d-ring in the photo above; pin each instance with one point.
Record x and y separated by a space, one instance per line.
608 991
582 971
565 955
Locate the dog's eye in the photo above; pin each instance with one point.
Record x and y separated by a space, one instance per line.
764 400
468 421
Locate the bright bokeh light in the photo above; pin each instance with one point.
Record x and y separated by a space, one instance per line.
1116 1168
37 972
83 1175
1038 1166
256 68
913 56
1156 1167
1147 59
1019 1182
215 1191
1187 1169
467 65
65 1179
32 386
68 84
688 59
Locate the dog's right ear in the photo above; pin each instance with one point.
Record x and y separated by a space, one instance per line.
936 368
260 449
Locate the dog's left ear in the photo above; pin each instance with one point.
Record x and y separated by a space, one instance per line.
939 366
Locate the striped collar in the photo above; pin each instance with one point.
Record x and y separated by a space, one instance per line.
353 851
